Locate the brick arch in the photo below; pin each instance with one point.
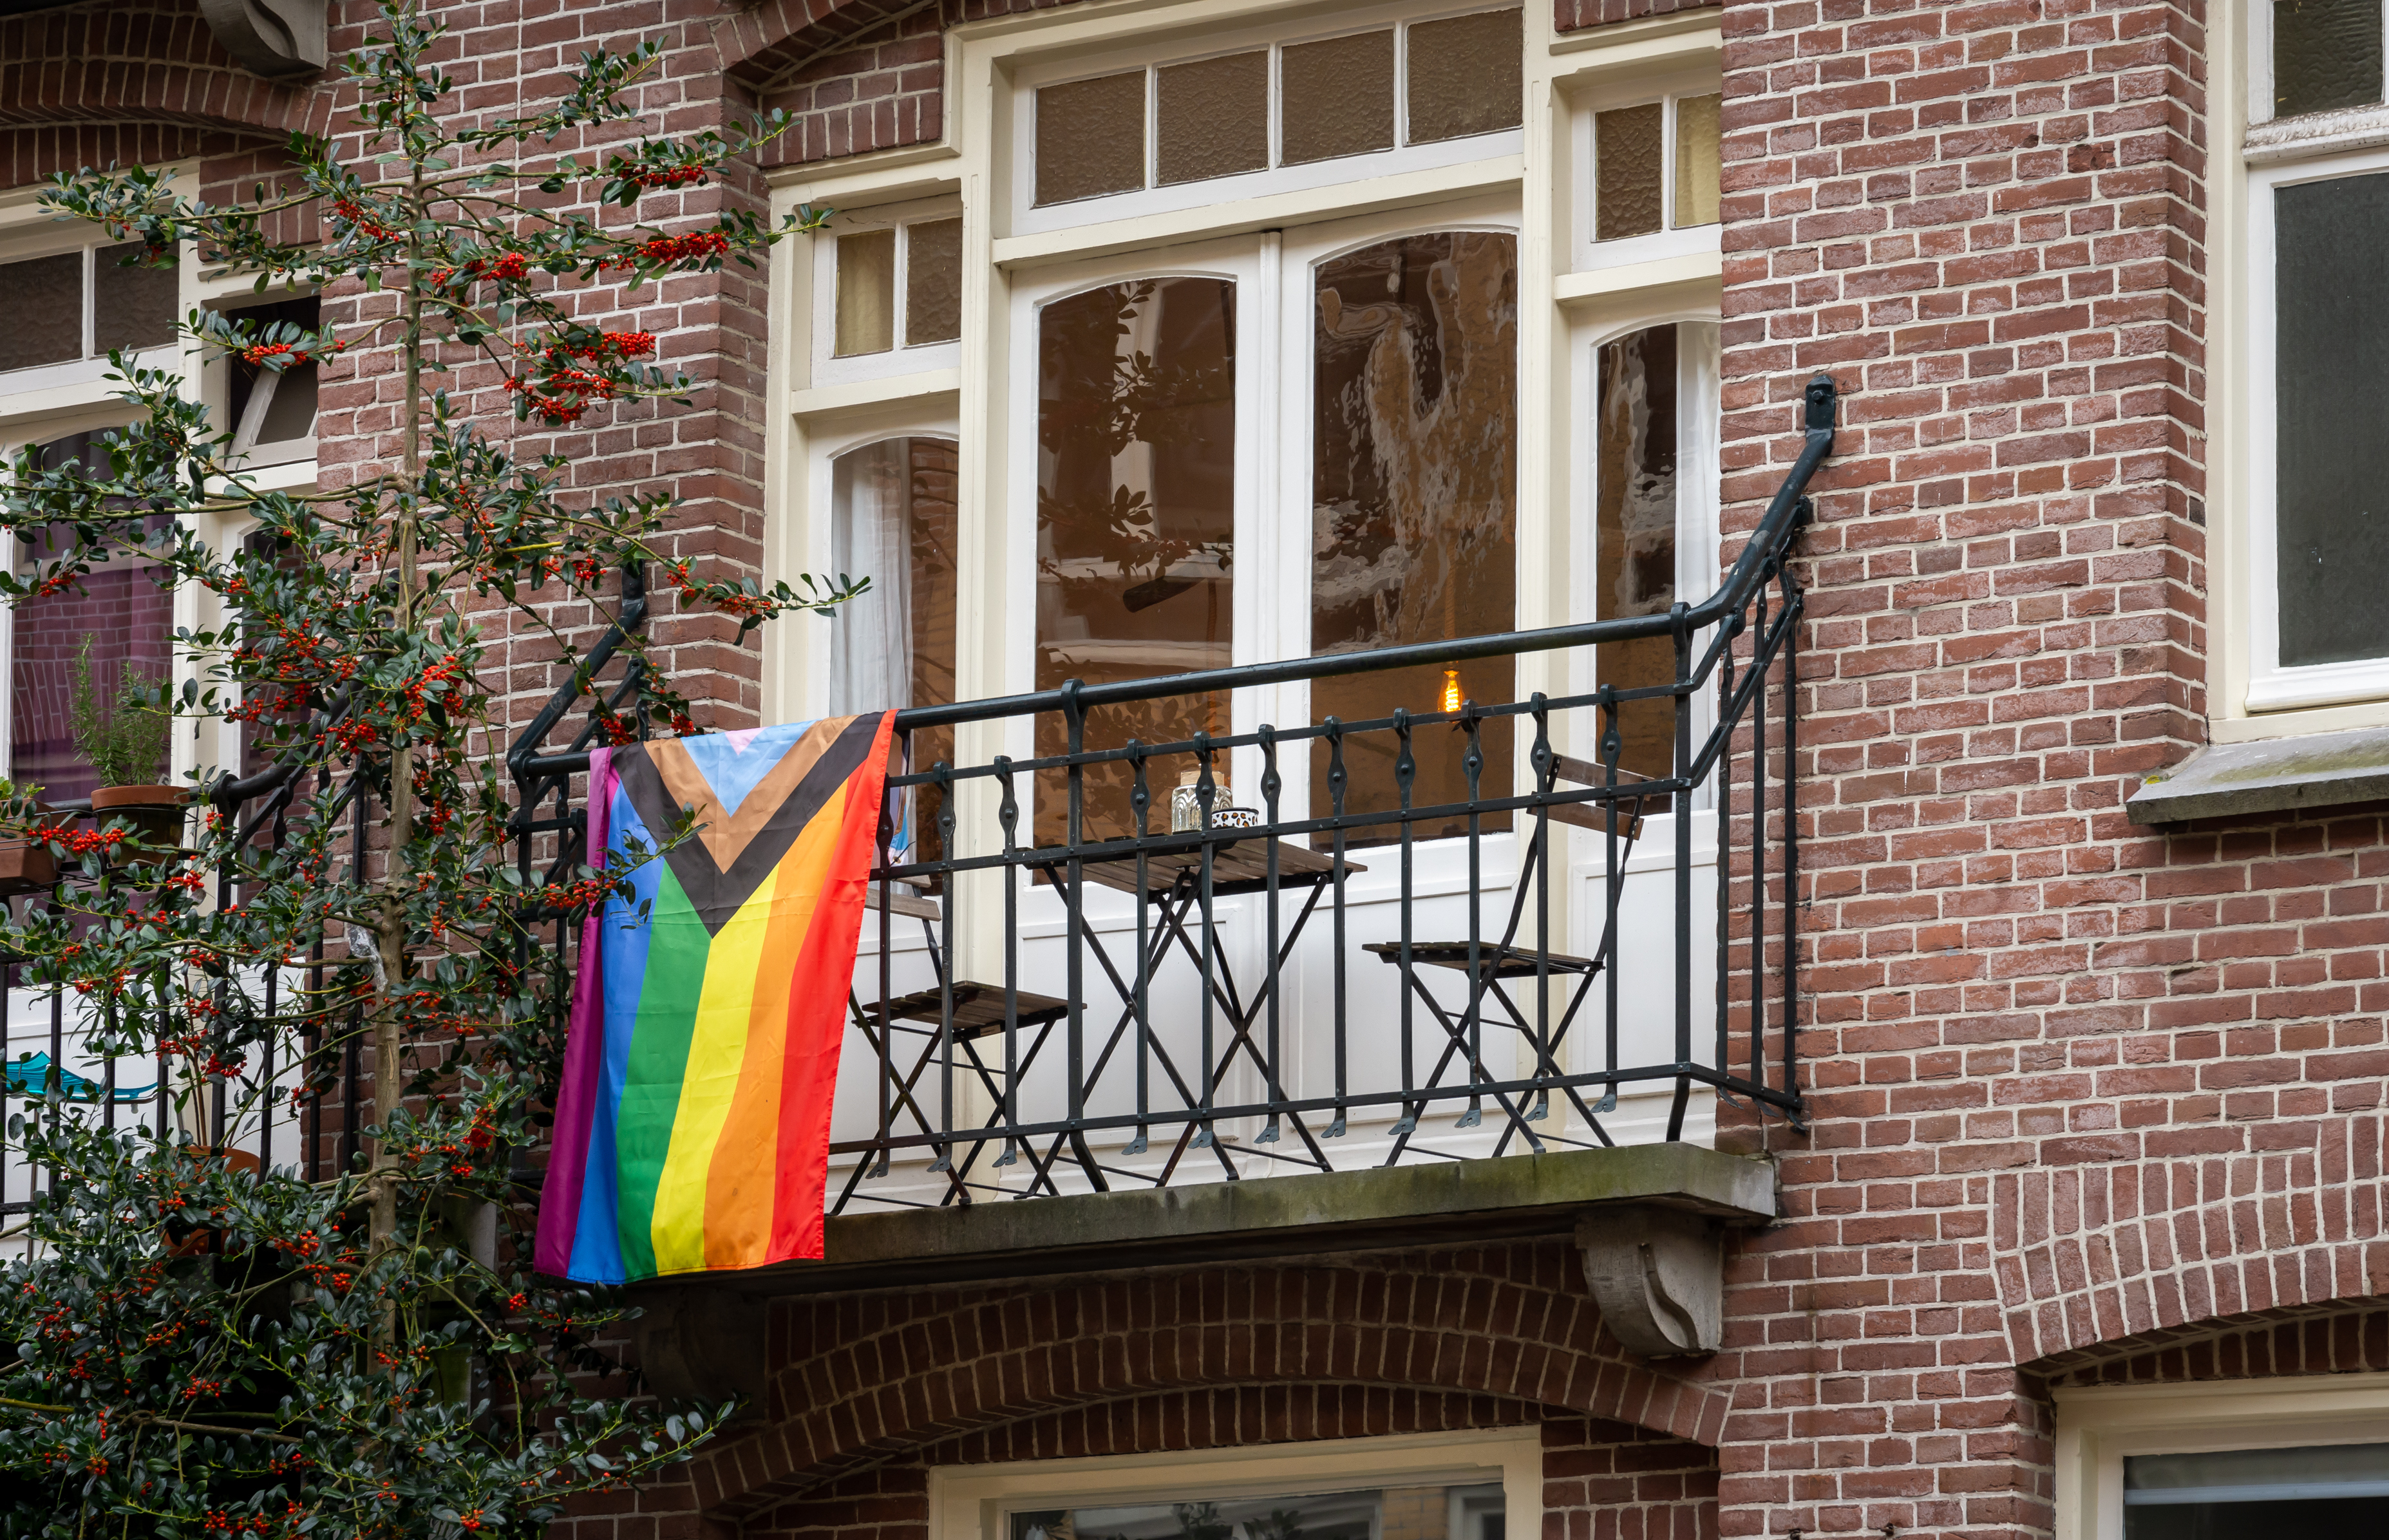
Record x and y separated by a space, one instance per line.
127 61
763 40
2116 1253
876 1376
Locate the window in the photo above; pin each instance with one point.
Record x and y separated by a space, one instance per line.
77 305
2318 356
80 647
1284 105
2243 1459
892 520
1651 181
1384 386
888 293
1473 1486
273 415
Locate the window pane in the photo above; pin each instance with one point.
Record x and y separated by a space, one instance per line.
1339 97
1136 419
2326 54
1091 138
1696 161
128 617
1466 76
132 307
1213 116
2331 373
866 292
933 282
1413 478
1634 532
1626 156
893 519
2257 1493
46 320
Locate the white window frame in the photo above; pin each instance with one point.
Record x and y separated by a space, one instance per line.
977 1502
1635 90
2251 694
900 359
1020 111
2099 1425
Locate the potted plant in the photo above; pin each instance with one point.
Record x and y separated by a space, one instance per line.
124 738
27 865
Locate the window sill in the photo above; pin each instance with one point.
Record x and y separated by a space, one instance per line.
2319 771
2347 128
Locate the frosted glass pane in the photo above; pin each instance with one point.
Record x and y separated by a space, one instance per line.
1339 97
46 304
2337 1489
1091 138
2331 375
1634 531
1466 76
1213 116
1414 469
1626 161
1696 161
866 292
933 282
132 307
1136 422
2326 54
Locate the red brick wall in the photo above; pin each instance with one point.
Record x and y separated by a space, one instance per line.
1568 16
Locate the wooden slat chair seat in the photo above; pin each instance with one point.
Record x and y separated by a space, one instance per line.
979 1009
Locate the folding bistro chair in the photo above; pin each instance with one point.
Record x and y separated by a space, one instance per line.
1487 964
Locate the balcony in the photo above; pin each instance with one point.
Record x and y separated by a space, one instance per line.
1102 969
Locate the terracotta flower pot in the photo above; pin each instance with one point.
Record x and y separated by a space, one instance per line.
156 811
26 866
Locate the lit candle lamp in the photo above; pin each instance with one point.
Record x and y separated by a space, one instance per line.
1451 690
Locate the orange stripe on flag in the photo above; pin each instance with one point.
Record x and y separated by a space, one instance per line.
741 1186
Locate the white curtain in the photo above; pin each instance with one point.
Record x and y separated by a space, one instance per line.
871 536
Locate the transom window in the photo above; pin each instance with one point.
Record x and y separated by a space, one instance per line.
1290 106
887 292
1648 184
79 304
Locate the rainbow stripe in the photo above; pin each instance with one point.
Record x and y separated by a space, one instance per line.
692 1131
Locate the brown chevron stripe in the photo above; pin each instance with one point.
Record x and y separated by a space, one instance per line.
724 833
715 889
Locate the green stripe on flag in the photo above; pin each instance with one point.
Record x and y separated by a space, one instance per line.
677 949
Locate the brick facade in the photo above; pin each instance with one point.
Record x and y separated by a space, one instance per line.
2090 1103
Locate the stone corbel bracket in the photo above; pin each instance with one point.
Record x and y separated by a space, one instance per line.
282 40
1658 1276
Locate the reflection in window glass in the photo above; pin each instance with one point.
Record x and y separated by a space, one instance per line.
2333 1489
126 615
1413 478
2331 371
1634 532
1394 1513
2326 54
1135 520
893 519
